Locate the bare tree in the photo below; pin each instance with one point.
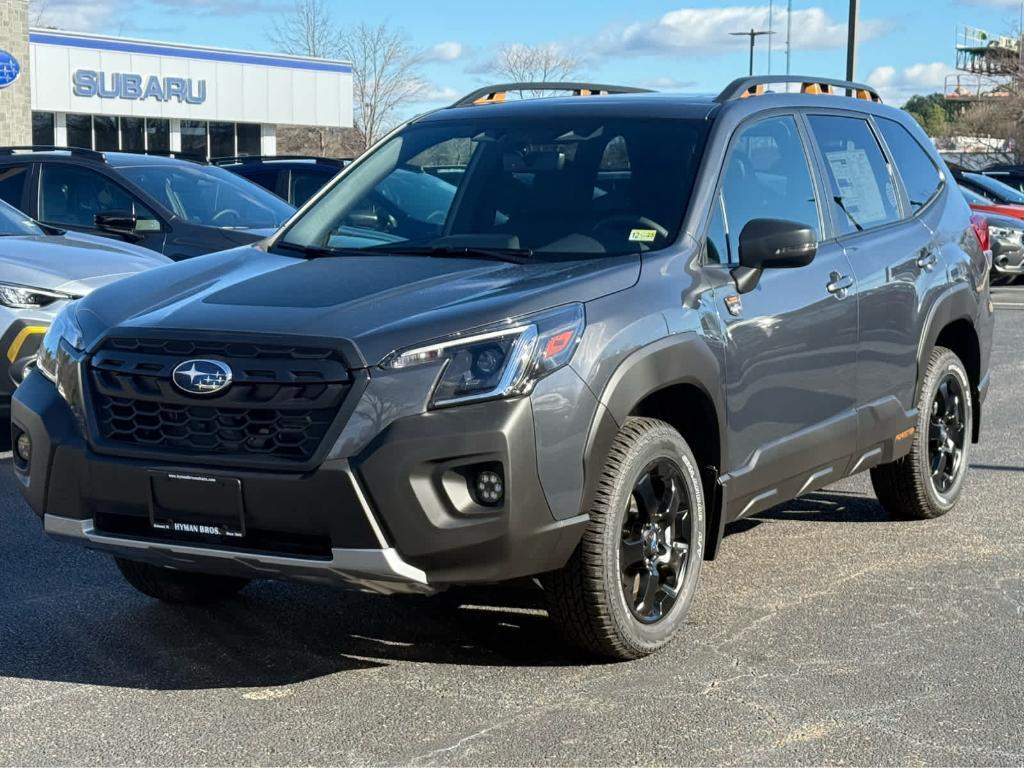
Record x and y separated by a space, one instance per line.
520 63
307 30
385 76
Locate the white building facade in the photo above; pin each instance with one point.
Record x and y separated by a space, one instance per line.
111 93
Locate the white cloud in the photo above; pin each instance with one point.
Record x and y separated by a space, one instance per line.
447 51
897 85
432 94
707 31
73 15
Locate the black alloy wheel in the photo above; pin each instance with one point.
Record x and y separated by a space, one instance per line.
655 545
947 433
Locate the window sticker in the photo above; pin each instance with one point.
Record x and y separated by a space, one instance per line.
856 183
642 235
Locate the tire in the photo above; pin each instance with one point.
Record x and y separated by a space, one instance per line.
907 488
587 598
180 587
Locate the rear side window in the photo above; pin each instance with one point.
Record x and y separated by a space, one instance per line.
73 196
863 190
920 176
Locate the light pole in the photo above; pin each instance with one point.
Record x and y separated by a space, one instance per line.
851 41
753 36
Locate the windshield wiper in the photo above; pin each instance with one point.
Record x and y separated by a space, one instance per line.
316 251
510 255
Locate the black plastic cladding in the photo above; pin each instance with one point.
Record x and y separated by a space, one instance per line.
286 404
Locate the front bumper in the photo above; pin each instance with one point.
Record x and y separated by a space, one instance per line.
397 517
18 347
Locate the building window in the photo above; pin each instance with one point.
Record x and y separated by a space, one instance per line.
193 138
158 135
222 139
79 131
133 134
249 139
104 130
42 128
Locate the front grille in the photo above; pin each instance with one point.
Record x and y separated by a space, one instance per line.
280 406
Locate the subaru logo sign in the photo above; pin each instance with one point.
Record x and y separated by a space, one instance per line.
201 377
9 69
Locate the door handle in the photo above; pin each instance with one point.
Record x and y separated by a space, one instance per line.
927 260
839 285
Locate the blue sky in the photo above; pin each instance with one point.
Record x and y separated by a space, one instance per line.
906 48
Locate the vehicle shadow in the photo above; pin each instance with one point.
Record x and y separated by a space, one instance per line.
67 615
830 507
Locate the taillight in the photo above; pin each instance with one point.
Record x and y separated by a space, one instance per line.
980 226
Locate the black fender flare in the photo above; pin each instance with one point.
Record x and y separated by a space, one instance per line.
957 302
684 358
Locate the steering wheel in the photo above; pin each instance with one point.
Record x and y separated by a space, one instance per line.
226 212
637 222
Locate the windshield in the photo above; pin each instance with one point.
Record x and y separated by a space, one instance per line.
14 222
564 187
210 196
996 190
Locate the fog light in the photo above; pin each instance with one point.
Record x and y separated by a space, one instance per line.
490 489
23 447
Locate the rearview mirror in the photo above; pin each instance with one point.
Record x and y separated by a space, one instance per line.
772 244
116 222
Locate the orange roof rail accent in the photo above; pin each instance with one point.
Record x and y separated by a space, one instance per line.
494 94
745 87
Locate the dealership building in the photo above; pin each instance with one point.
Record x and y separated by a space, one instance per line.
113 93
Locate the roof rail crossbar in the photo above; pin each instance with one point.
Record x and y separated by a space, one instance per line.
744 87
493 94
80 151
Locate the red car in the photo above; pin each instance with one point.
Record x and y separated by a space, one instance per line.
981 204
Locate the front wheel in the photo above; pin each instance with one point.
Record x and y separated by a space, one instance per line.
183 587
927 482
628 586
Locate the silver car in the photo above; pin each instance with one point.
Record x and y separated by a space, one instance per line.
41 269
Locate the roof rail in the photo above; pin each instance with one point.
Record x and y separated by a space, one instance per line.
242 159
744 87
79 151
493 94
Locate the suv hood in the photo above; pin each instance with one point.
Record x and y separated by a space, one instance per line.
380 302
72 262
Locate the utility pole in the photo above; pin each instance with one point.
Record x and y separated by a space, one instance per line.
789 35
851 42
771 8
753 36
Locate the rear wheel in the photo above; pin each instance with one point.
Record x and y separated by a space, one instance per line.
183 587
927 482
628 586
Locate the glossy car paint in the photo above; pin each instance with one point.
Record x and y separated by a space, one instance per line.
799 390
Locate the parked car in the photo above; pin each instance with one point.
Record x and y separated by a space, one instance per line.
176 207
1010 175
41 270
1006 236
294 178
984 205
626 320
991 189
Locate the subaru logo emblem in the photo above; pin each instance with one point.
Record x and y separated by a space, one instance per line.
201 377
9 69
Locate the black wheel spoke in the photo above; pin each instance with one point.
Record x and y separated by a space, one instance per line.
631 553
646 497
650 583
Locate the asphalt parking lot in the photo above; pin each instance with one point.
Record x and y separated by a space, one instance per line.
824 633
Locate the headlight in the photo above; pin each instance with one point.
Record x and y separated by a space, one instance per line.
25 297
499 361
63 335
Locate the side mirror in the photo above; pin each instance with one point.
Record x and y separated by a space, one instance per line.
772 244
117 222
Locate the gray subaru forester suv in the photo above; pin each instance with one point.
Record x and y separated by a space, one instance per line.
564 338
